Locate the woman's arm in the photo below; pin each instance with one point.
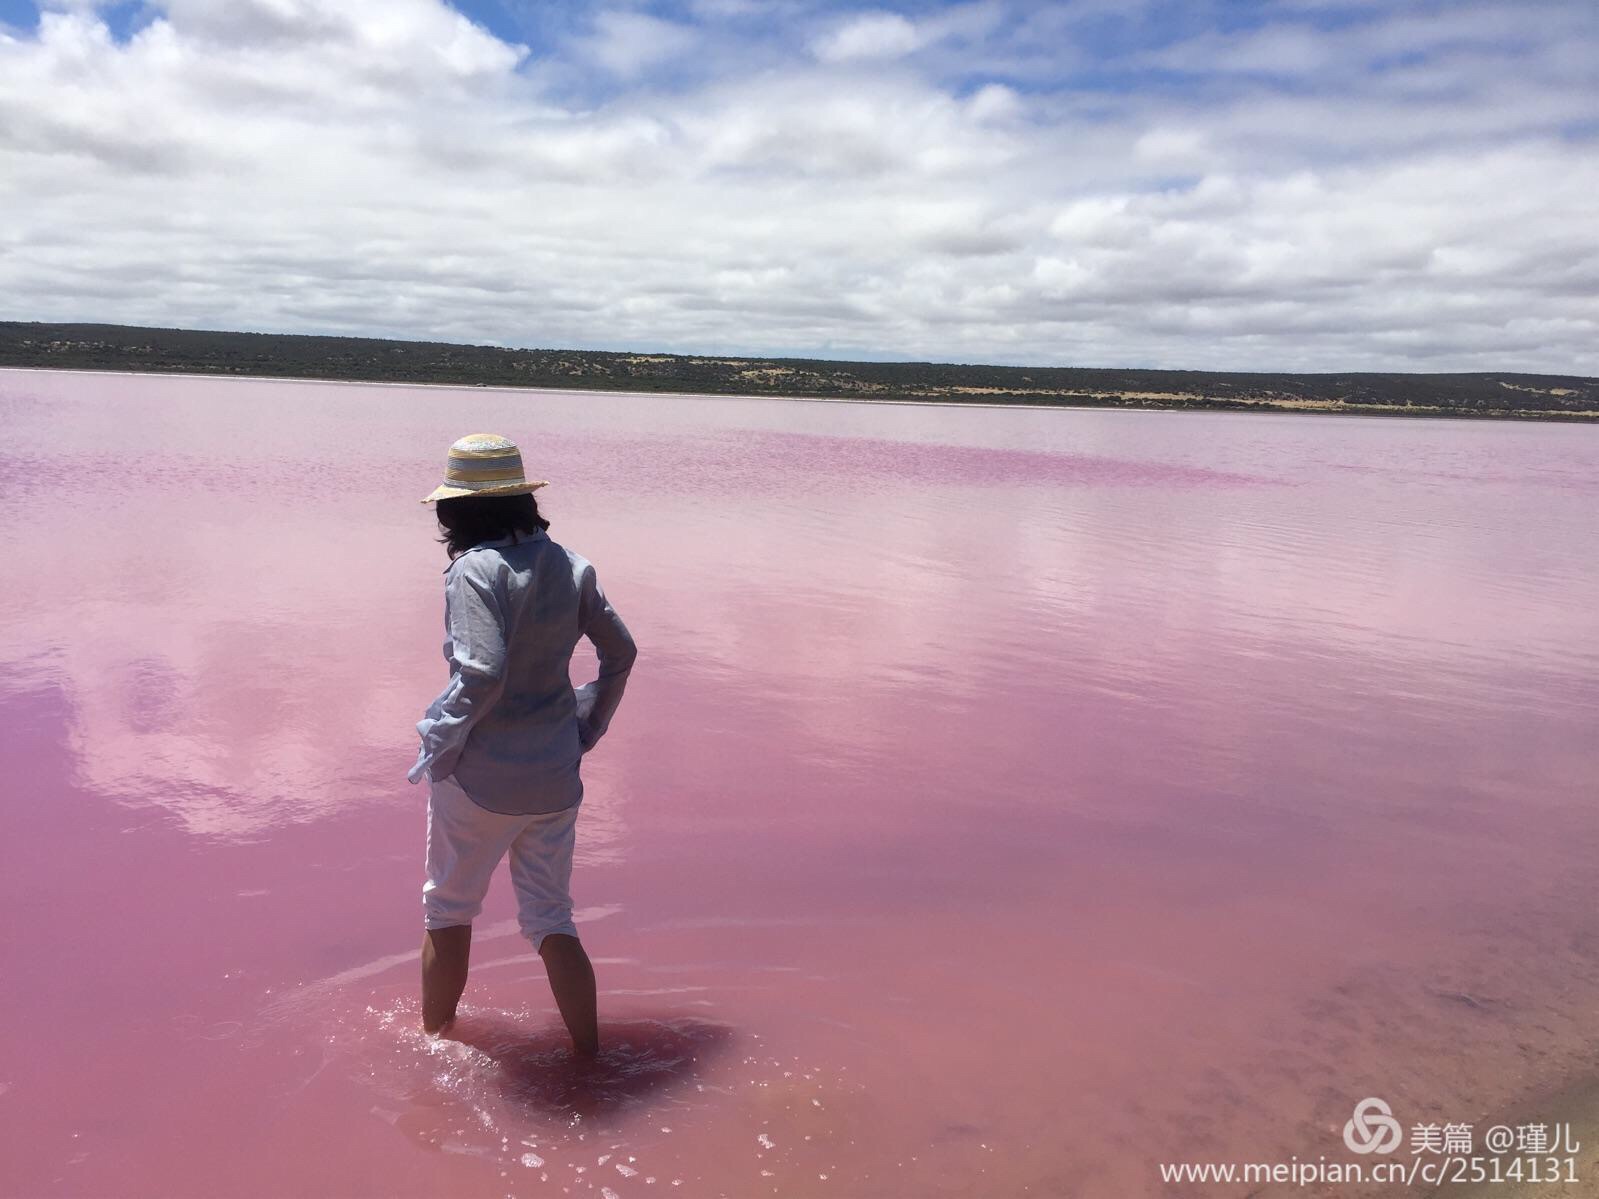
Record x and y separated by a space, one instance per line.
476 624
598 621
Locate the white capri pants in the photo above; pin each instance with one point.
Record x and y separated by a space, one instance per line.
465 843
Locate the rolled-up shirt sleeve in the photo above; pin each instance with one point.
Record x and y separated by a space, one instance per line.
475 621
598 621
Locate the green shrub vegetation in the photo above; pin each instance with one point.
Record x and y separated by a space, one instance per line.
126 348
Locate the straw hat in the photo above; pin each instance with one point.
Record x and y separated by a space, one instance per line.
483 464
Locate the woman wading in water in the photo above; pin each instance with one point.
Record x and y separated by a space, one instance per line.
501 746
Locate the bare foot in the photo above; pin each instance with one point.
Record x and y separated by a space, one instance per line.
444 1032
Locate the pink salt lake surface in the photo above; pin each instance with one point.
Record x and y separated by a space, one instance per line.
1004 802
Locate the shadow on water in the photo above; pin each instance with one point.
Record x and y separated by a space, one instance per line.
535 1070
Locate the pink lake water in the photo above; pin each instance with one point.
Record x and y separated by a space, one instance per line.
1004 801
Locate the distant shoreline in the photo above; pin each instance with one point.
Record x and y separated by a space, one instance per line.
551 390
127 350
1023 406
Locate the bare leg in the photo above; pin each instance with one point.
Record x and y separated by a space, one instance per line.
444 959
572 979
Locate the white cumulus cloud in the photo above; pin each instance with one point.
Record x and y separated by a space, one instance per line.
870 35
1408 188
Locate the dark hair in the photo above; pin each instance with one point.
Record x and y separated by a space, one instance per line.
469 520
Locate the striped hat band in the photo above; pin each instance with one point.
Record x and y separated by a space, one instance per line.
483 464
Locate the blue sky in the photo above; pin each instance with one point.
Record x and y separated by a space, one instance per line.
544 26
1306 184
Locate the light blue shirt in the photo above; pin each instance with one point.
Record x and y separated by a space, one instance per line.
510 726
